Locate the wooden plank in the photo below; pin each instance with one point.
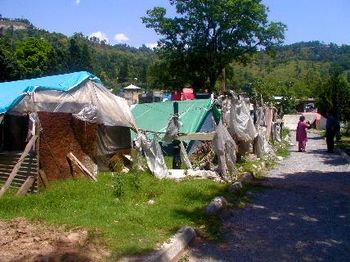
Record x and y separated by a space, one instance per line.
43 178
25 186
18 165
85 171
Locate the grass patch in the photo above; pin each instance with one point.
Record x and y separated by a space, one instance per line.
344 142
116 211
169 162
260 166
282 148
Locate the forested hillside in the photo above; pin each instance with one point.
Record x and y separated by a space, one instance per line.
302 67
32 52
296 70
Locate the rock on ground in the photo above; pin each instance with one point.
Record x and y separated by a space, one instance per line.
216 205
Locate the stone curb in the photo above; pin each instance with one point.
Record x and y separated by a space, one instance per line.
174 247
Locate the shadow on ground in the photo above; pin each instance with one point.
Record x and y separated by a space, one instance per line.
302 217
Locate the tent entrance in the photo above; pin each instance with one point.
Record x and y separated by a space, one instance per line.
14 131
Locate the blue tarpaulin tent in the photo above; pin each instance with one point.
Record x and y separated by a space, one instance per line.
12 92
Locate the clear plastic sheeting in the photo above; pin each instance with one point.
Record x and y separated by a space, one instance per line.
261 146
184 156
154 156
172 129
110 109
87 114
225 148
276 131
240 122
33 123
260 117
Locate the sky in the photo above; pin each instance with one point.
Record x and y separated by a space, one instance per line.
119 21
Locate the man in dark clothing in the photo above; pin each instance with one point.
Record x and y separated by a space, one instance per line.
332 127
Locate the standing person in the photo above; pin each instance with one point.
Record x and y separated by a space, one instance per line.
332 127
301 135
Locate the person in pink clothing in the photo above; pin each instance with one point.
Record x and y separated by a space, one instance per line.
301 135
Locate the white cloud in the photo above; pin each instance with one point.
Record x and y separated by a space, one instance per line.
120 38
152 45
100 35
77 2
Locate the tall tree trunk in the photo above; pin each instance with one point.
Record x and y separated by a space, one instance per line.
213 76
223 88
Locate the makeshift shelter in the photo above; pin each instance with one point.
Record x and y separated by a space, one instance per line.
195 116
131 94
58 115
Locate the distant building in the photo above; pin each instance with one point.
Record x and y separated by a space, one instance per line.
131 94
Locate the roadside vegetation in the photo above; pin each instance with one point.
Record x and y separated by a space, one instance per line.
344 142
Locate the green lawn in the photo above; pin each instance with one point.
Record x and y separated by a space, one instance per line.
116 212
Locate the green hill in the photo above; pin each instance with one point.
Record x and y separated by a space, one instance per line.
299 68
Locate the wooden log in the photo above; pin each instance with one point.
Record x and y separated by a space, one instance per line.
43 178
85 171
18 165
26 186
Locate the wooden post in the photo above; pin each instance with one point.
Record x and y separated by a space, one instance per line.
26 186
43 178
176 143
37 152
224 89
80 165
18 165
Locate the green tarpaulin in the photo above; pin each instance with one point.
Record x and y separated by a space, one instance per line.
155 116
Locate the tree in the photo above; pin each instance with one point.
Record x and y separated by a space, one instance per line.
8 63
80 58
33 57
209 34
334 96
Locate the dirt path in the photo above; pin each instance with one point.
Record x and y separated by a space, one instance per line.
21 240
303 215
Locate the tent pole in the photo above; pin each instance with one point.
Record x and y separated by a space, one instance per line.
176 143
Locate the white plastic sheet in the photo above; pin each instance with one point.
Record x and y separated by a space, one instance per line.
241 124
87 114
225 148
261 146
184 156
276 131
172 130
110 109
154 156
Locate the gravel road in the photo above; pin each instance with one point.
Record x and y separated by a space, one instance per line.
302 215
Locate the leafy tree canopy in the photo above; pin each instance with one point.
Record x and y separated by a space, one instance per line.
33 56
209 34
334 96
